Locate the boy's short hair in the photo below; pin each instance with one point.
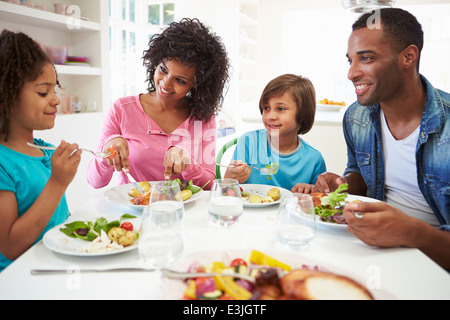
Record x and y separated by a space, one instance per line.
303 93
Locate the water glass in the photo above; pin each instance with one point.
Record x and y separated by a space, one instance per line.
296 221
161 240
225 203
167 194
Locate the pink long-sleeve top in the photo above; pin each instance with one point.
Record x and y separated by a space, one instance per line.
148 144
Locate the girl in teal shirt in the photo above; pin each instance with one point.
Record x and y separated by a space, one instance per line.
288 110
32 181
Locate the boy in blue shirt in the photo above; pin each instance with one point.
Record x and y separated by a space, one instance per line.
288 109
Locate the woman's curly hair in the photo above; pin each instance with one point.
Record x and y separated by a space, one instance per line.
21 60
191 42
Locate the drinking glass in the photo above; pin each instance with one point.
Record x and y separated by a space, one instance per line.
161 240
225 203
296 221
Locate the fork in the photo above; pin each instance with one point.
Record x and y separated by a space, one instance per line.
97 154
224 166
186 275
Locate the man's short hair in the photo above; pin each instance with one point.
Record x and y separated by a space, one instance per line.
400 28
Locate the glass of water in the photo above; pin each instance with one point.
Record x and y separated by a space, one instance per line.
225 203
161 240
296 221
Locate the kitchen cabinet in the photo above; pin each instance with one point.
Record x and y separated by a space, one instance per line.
84 31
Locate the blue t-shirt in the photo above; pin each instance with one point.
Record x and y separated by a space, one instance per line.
300 166
27 176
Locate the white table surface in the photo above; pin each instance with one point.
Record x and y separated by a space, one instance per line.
398 273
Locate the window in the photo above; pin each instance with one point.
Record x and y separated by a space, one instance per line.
132 24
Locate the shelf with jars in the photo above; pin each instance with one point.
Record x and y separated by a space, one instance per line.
75 35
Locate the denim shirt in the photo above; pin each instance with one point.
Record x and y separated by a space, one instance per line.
362 131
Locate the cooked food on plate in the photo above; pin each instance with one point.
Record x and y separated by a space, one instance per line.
121 236
145 185
141 199
274 280
187 190
272 195
331 102
308 284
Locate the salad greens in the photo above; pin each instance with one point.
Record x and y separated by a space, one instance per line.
88 230
331 204
272 169
188 185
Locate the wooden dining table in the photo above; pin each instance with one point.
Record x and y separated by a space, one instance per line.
394 273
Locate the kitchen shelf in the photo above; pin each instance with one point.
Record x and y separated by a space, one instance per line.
40 18
246 20
75 70
82 36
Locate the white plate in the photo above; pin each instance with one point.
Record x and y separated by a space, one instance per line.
119 194
261 190
173 289
58 242
349 198
329 107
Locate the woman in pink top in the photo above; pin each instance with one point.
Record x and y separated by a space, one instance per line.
169 132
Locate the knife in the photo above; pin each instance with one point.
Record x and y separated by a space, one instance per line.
135 184
71 271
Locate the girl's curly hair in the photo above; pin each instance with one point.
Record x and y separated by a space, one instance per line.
21 60
191 42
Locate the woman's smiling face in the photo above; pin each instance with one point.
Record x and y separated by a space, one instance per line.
174 79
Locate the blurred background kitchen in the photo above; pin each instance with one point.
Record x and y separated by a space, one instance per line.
98 46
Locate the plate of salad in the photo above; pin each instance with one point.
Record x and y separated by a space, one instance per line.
94 237
329 207
125 194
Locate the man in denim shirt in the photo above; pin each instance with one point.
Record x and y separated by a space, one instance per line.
398 140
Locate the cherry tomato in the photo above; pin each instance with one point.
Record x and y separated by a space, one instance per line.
238 262
113 152
127 226
231 193
200 281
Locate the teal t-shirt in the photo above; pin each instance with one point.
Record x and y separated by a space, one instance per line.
27 176
301 166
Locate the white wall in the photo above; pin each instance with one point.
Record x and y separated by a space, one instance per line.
303 35
310 38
